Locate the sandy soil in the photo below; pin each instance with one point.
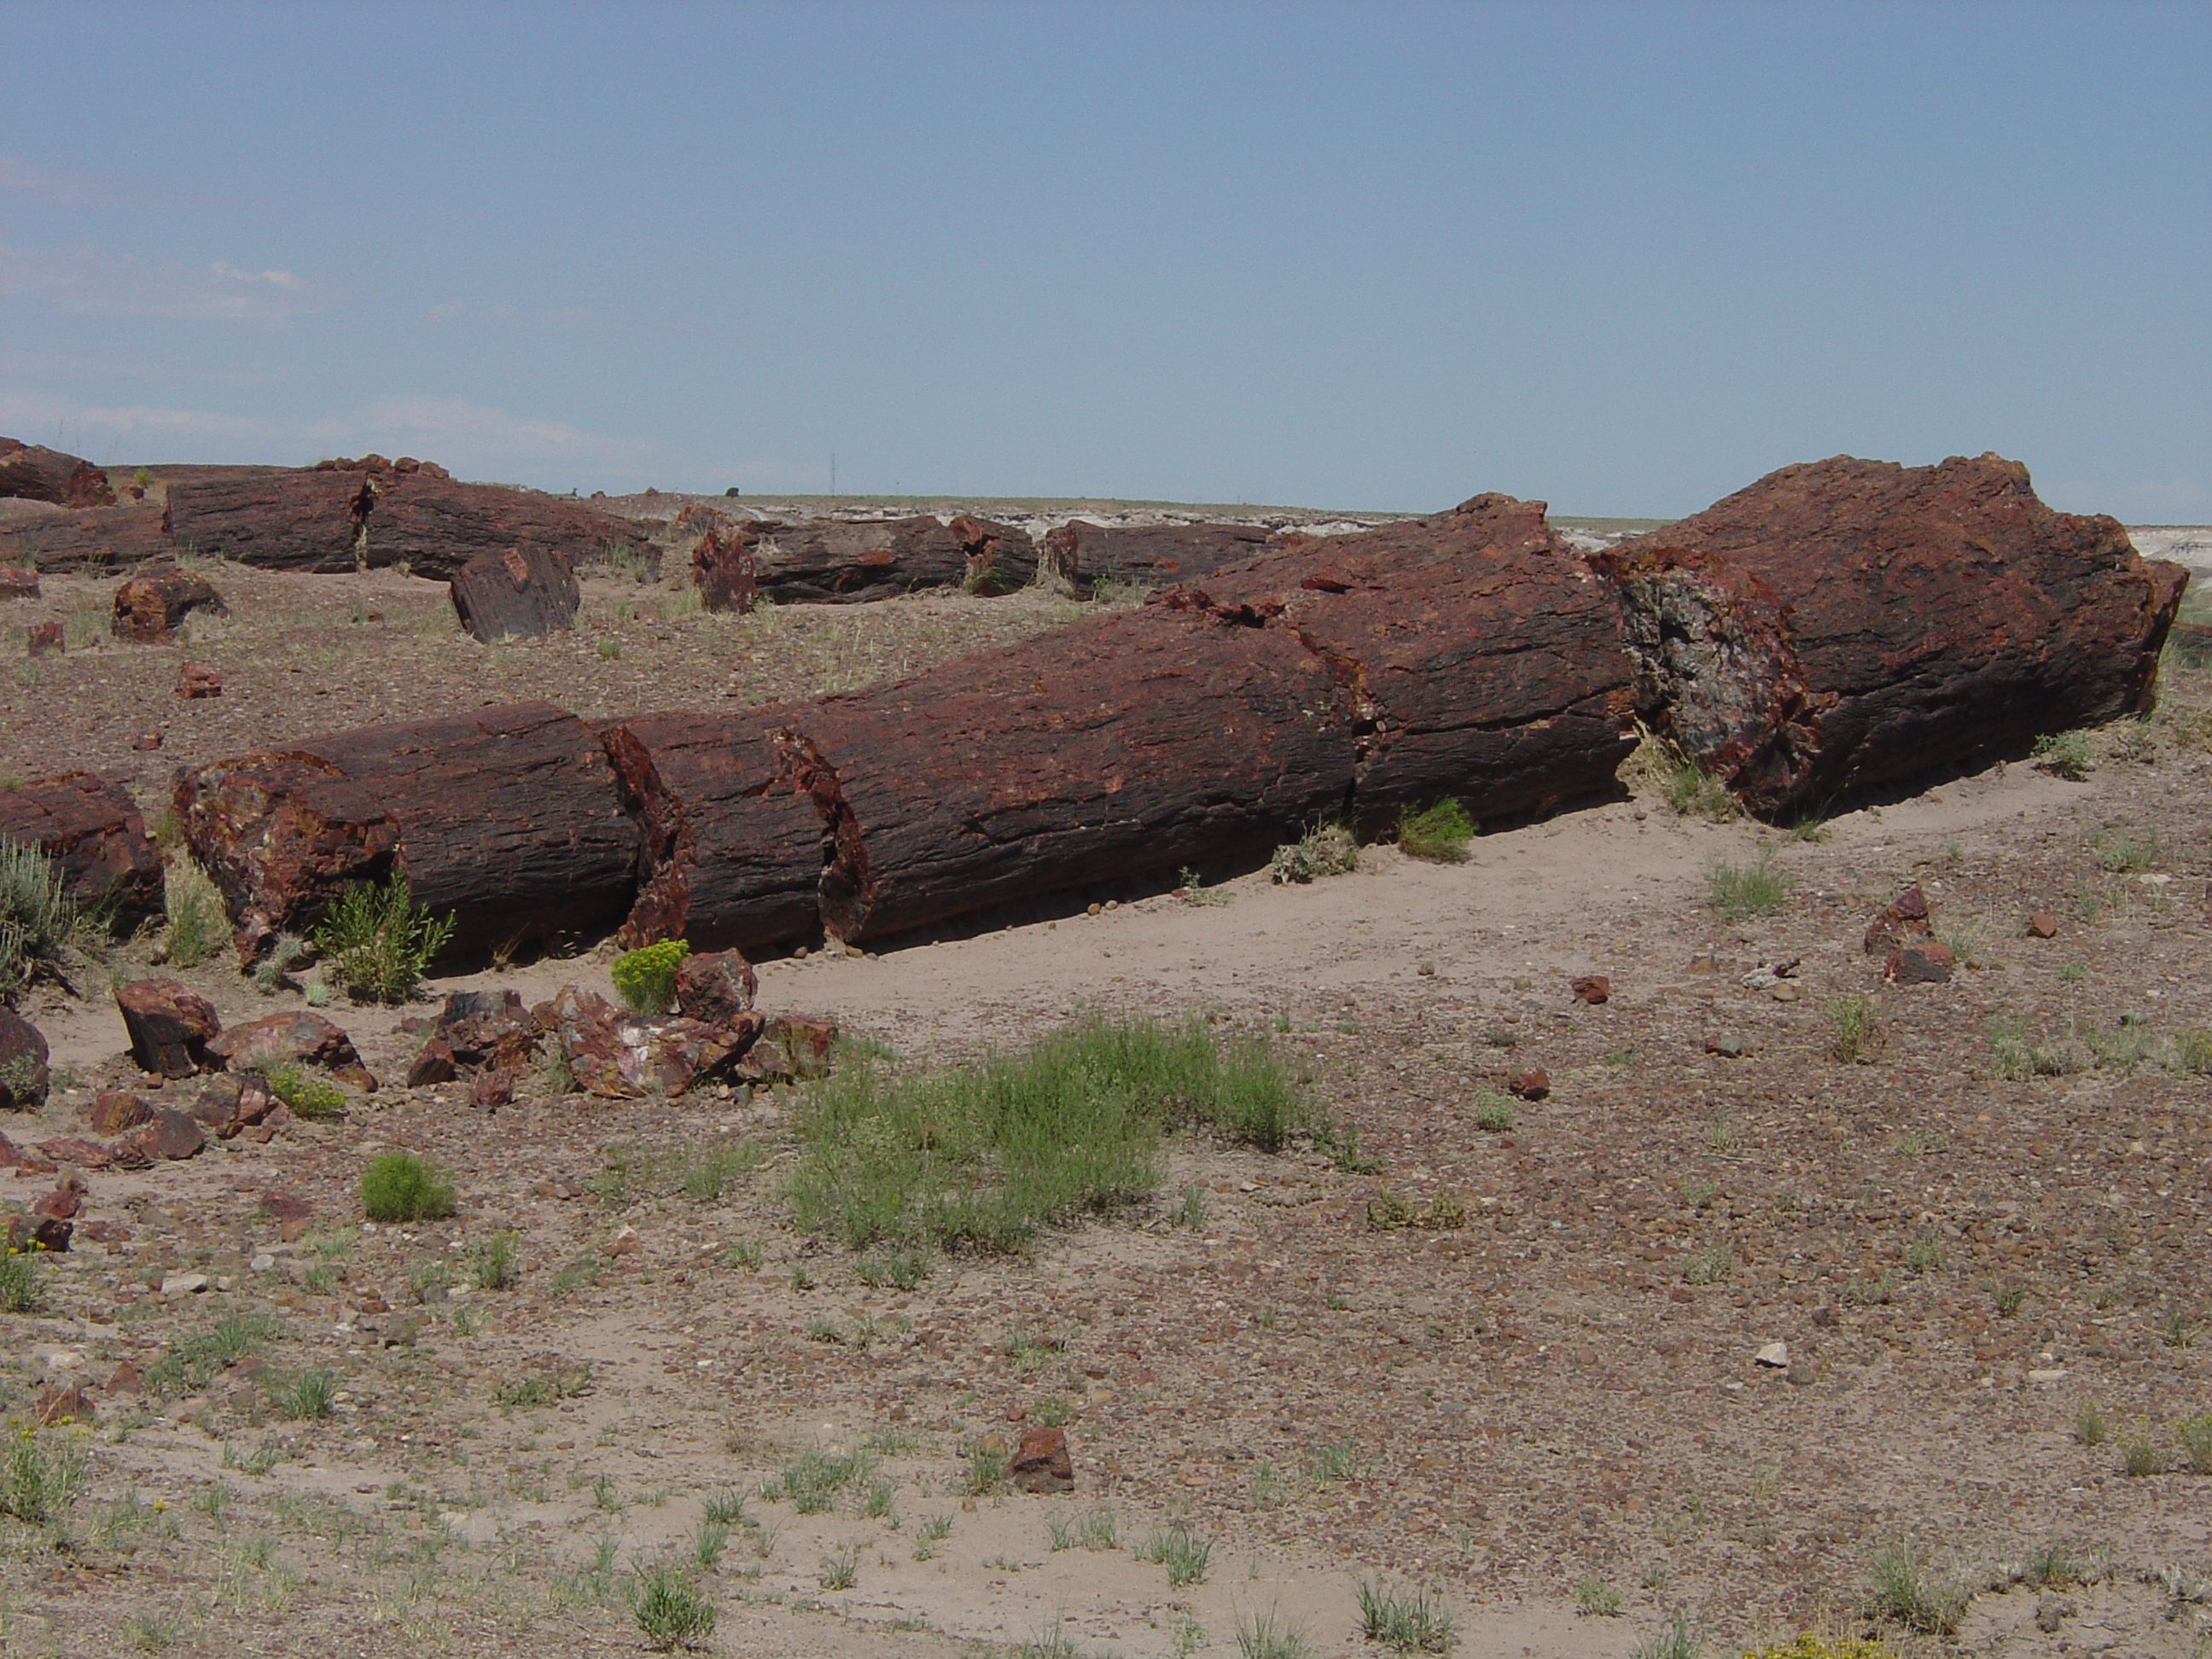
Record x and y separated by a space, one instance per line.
1562 1391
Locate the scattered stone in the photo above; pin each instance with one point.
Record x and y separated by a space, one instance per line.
1592 988
114 1110
2041 924
2053 1611
1928 962
527 592
42 640
170 1028
620 1055
625 1242
792 1049
717 986
1726 1048
295 1038
20 581
491 1089
1825 1315
1041 1463
280 1205
94 832
23 1075
1904 918
721 563
171 1135
125 1378
433 1063
233 1101
184 1283
199 679
1784 991
146 741
1532 1084
74 1149
1775 1356
150 607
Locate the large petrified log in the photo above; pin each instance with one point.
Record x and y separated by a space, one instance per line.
301 518
844 561
524 592
508 817
86 538
1467 653
93 832
424 518
1847 623
33 472
1082 553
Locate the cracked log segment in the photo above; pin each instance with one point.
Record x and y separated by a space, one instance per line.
86 538
508 818
32 472
427 521
524 592
845 562
91 830
1844 623
1467 653
1082 553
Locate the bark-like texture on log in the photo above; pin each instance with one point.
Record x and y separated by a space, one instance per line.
1847 623
721 564
508 817
524 593
1484 656
95 836
841 561
89 539
294 520
35 473
1082 553
435 526
732 853
148 608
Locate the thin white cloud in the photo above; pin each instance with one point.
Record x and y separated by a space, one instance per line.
441 428
88 282
32 412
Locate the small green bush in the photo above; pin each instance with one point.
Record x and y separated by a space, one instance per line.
305 1397
1854 1030
646 978
377 942
401 1186
22 1288
41 1478
670 1611
193 908
1406 1621
2064 754
311 1097
2194 1435
1492 1111
1740 892
1905 1587
1439 832
36 916
1329 848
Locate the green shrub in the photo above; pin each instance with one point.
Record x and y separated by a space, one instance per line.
1739 891
1492 1111
41 1478
22 1288
646 978
1854 1030
376 943
1439 832
2194 1435
305 1397
2064 754
492 1265
1905 1587
311 1097
36 916
669 1611
1329 848
401 1186
197 925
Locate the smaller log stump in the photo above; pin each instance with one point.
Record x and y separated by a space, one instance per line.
148 608
526 593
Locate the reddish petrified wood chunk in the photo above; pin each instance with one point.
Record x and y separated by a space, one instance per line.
94 832
423 518
35 473
23 1077
1154 555
721 563
1847 623
524 592
286 519
169 1027
148 607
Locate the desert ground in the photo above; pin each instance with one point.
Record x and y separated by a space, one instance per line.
1520 1361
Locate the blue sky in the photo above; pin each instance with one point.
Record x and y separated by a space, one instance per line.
1624 258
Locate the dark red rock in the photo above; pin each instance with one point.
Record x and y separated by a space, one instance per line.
1083 554
93 832
23 1075
199 679
999 558
281 1205
722 564
790 1049
424 518
150 607
43 640
2041 924
64 1202
1846 622
32 472
170 1028
146 741
1905 918
23 1231
295 1038
1534 1083
171 1135
433 1063
1041 1463
716 987
273 517
1926 961
491 1089
524 593
74 1149
114 1110
1592 988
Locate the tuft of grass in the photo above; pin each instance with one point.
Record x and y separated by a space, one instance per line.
1905 1587
1674 1640
1329 848
929 1534
725 1509
1096 1530
312 1097
985 1154
2089 1425
986 1469
841 1571
305 1397
812 1481
192 907
40 1477
1406 1620
2194 1435
401 1186
37 917
376 942
22 1284
1594 1598
197 1358
1492 1111
1711 1264
1387 1212
492 1262
1854 1030
1339 1460
902 1270
2140 1457
1268 1636
1740 892
2063 755
1439 832
1181 1551
645 978
1923 1255
669 1611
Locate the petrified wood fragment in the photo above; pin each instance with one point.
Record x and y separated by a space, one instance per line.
93 833
526 593
32 472
86 538
1847 623
1082 553
148 608
508 818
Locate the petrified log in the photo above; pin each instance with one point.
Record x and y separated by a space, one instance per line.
148 608
721 563
1846 622
843 561
1484 654
169 1027
87 538
93 833
291 520
435 526
1082 553
522 594
32 472
508 817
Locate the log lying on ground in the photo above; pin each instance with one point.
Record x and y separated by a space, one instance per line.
526 593
1467 653
87 538
93 833
843 562
433 525
508 817
35 473
301 520
1082 553
1846 622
